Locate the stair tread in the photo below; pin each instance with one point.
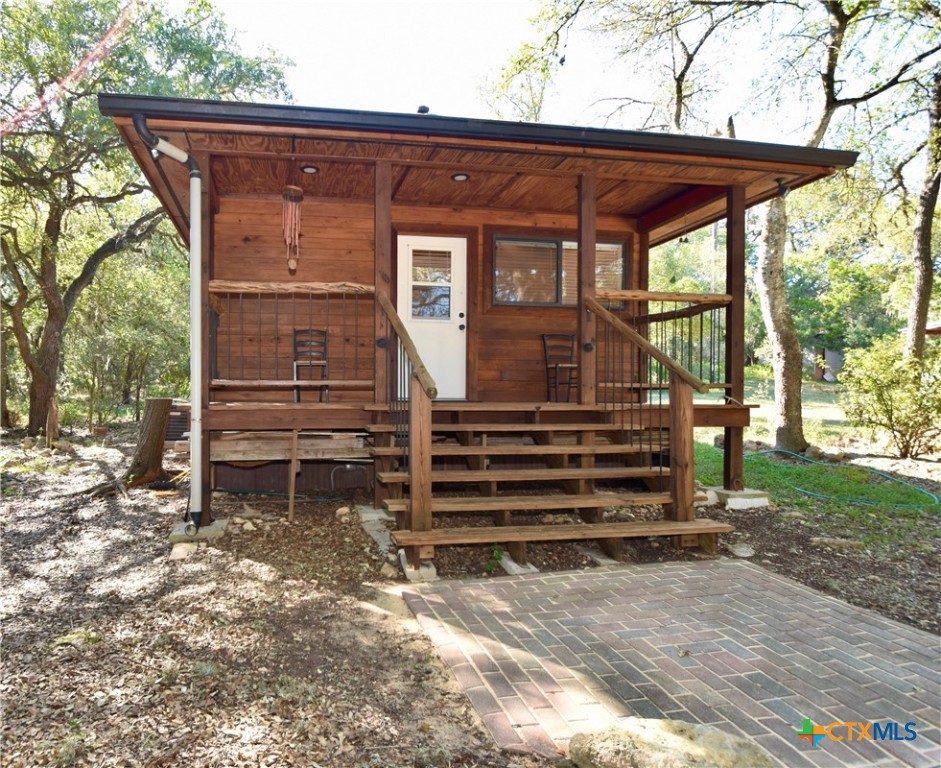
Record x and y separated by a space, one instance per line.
515 449
563 532
512 427
522 503
522 475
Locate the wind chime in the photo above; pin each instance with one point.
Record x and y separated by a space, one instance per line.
291 219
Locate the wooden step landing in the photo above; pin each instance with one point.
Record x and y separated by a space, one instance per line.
516 449
443 505
574 532
507 427
529 475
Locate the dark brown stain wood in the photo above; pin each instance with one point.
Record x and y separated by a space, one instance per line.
733 463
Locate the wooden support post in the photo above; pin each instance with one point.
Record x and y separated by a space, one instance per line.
293 469
642 251
380 491
681 449
382 278
419 452
587 252
517 550
733 465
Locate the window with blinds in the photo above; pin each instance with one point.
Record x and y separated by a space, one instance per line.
545 272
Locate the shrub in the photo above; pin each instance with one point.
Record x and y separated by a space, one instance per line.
902 396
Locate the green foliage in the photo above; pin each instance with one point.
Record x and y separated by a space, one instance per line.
496 555
71 194
884 390
890 519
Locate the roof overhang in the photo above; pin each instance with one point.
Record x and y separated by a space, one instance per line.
662 184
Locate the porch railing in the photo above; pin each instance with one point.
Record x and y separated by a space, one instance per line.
411 390
650 394
252 338
689 328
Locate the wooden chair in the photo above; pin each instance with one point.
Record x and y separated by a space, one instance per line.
310 351
561 368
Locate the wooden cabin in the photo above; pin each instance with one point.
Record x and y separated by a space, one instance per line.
463 303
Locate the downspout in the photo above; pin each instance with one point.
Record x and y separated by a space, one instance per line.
196 338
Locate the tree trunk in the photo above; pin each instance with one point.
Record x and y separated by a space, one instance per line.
52 424
922 256
786 359
147 464
5 419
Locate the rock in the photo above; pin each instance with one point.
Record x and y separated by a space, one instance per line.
826 541
389 571
719 441
249 513
238 520
248 525
742 550
29 443
813 452
705 497
651 743
182 550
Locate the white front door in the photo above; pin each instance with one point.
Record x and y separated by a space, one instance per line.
432 302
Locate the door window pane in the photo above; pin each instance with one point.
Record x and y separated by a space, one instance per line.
431 267
431 301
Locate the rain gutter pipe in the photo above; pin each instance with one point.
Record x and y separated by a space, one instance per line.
196 337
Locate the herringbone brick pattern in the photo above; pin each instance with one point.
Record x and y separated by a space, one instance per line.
543 656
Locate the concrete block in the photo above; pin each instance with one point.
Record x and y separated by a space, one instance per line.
747 499
427 571
214 530
514 568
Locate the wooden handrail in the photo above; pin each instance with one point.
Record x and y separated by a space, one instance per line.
243 286
720 299
651 349
418 367
677 314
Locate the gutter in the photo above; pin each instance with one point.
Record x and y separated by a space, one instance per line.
427 125
196 338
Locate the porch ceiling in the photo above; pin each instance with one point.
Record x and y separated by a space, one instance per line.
665 185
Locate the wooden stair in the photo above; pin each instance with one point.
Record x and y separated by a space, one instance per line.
561 451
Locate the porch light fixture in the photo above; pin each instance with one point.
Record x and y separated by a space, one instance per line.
783 189
291 220
460 177
310 169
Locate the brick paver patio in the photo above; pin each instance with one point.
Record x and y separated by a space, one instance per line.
543 656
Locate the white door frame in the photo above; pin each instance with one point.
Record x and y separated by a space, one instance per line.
437 319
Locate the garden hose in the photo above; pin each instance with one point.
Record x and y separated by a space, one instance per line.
848 499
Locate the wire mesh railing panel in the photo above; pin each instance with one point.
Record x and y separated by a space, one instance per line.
273 338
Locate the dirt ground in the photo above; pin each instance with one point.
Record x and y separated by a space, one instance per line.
279 644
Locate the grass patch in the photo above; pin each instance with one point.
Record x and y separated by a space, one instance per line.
843 500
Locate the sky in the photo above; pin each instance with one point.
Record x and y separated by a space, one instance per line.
390 55
396 55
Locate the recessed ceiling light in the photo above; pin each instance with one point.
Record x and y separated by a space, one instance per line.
312 169
460 177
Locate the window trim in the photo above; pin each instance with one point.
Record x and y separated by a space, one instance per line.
559 243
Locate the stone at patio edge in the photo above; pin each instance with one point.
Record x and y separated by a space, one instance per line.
747 499
212 531
650 743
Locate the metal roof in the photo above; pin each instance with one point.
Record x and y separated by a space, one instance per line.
230 112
